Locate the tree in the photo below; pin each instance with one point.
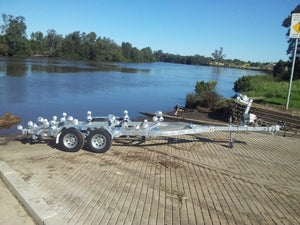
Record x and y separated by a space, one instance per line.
71 45
37 42
53 43
136 55
3 45
108 50
160 56
89 49
14 29
148 55
218 55
126 50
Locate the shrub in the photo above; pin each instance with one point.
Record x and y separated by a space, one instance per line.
281 70
192 100
205 95
203 86
209 99
226 109
250 83
242 84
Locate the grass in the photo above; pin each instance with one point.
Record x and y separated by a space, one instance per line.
275 92
266 87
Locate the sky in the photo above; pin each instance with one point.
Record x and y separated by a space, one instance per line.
249 30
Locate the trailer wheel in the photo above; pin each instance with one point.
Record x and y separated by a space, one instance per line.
71 140
99 140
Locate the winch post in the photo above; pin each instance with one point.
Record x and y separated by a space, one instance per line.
230 133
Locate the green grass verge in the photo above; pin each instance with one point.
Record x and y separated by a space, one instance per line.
275 92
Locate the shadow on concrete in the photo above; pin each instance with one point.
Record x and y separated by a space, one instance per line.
133 141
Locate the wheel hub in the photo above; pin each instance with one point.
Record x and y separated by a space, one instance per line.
70 140
98 141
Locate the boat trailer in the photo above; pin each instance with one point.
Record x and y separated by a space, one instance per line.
100 131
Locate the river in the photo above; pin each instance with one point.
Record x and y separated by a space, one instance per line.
45 87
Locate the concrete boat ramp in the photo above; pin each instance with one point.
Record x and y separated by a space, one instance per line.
190 179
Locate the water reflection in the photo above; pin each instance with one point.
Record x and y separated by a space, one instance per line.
112 67
16 69
59 69
216 73
11 66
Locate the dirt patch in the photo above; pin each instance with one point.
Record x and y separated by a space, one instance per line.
161 161
115 153
70 159
136 156
39 158
174 195
169 164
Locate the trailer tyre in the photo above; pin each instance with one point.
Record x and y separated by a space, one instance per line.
99 140
71 140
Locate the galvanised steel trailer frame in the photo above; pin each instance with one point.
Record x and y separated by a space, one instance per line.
99 132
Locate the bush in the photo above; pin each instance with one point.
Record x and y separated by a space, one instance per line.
250 83
242 84
226 108
203 86
205 95
209 99
281 70
206 99
192 101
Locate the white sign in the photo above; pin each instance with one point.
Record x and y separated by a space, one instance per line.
295 26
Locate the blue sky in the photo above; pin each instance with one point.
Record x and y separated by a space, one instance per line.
249 30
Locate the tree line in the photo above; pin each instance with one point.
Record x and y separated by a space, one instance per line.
86 46
78 45
89 46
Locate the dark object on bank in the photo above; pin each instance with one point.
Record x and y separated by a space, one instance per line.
8 120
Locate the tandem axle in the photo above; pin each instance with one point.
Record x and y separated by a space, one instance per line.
99 132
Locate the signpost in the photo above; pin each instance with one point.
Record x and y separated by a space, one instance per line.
295 26
294 33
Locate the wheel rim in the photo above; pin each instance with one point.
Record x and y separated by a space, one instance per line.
70 140
98 141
